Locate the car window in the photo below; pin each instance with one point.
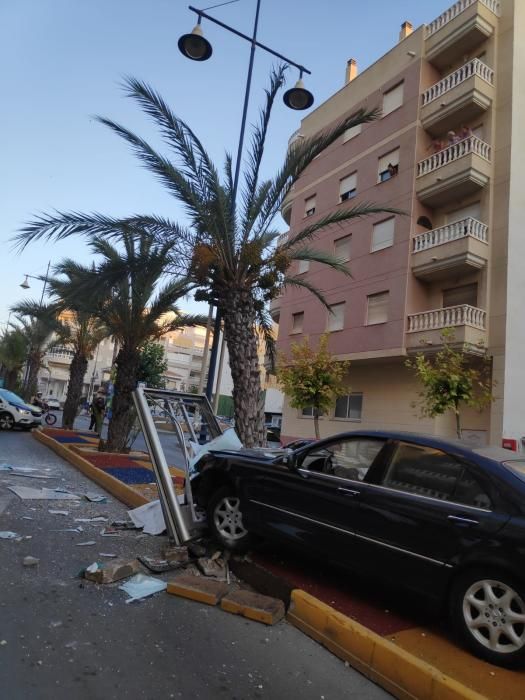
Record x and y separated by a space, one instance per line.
429 472
347 458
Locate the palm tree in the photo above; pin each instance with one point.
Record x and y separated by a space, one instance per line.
229 250
37 322
122 291
13 355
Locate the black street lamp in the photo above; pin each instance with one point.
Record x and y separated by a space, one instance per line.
195 47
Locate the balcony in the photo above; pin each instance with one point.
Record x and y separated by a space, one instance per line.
454 172
469 324
458 248
275 308
458 98
459 30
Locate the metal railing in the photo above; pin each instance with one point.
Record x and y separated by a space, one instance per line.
457 150
450 232
456 9
474 67
463 315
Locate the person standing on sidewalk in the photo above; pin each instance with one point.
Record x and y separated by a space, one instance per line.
98 409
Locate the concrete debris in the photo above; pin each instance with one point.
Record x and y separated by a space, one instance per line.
254 606
214 568
112 571
109 532
200 589
97 519
58 512
95 498
107 555
8 535
176 554
124 525
27 517
197 550
30 561
159 566
86 544
28 493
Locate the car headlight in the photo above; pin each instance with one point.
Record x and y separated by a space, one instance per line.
23 411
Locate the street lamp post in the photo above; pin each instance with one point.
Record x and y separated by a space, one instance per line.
25 285
197 48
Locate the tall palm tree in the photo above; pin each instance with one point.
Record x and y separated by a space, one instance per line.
13 355
230 247
123 291
37 322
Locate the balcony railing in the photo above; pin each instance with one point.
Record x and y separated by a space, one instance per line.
451 232
456 9
474 67
462 148
463 315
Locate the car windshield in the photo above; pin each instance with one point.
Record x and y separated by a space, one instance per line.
9 396
517 466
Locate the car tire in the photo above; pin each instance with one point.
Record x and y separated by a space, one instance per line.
7 422
225 520
487 610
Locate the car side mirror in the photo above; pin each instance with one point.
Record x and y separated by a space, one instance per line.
290 461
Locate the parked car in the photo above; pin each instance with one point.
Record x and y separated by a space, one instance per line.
424 514
52 402
14 412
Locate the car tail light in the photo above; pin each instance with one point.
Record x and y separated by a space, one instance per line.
510 444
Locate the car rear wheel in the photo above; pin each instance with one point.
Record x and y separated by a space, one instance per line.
6 421
225 520
488 611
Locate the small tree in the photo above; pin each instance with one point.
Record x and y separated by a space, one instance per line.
451 379
312 378
153 365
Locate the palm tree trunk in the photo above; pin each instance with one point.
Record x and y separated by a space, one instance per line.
239 329
35 360
77 370
128 360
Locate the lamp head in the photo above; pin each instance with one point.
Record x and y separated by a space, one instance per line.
194 46
25 284
298 97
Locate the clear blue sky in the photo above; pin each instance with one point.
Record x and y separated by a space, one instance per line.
62 61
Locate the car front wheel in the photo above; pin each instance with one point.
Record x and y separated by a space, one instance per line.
488 611
6 421
226 521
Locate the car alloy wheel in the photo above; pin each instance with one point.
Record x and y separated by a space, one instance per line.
6 421
227 519
494 614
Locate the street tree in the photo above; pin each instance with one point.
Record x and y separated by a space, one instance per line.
153 365
229 248
13 355
452 378
312 378
124 290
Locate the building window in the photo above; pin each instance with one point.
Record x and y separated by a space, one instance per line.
297 322
392 99
377 308
336 317
308 412
456 296
304 266
388 165
309 206
348 187
352 132
342 248
383 234
349 407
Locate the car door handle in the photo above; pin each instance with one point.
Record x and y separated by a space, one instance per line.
462 522
348 492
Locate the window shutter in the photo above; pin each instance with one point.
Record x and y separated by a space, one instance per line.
466 294
309 206
383 234
336 317
352 132
392 99
304 266
473 210
347 187
389 158
342 248
377 311
297 322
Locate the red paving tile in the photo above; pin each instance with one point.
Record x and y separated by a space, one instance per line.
334 589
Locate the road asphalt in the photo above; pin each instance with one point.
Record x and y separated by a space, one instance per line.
63 637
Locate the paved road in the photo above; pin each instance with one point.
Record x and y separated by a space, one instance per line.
65 638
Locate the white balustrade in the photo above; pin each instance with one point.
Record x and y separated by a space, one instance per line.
451 232
457 150
456 9
474 67
463 315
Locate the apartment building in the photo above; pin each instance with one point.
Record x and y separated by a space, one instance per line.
449 151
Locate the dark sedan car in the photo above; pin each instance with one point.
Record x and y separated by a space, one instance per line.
427 514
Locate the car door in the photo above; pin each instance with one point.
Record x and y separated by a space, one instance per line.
313 504
429 509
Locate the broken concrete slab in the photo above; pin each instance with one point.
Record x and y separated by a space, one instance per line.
254 606
200 589
30 561
176 554
214 568
109 572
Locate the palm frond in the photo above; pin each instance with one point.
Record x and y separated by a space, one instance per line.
302 283
321 256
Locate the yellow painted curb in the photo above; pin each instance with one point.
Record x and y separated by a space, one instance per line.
118 489
399 672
